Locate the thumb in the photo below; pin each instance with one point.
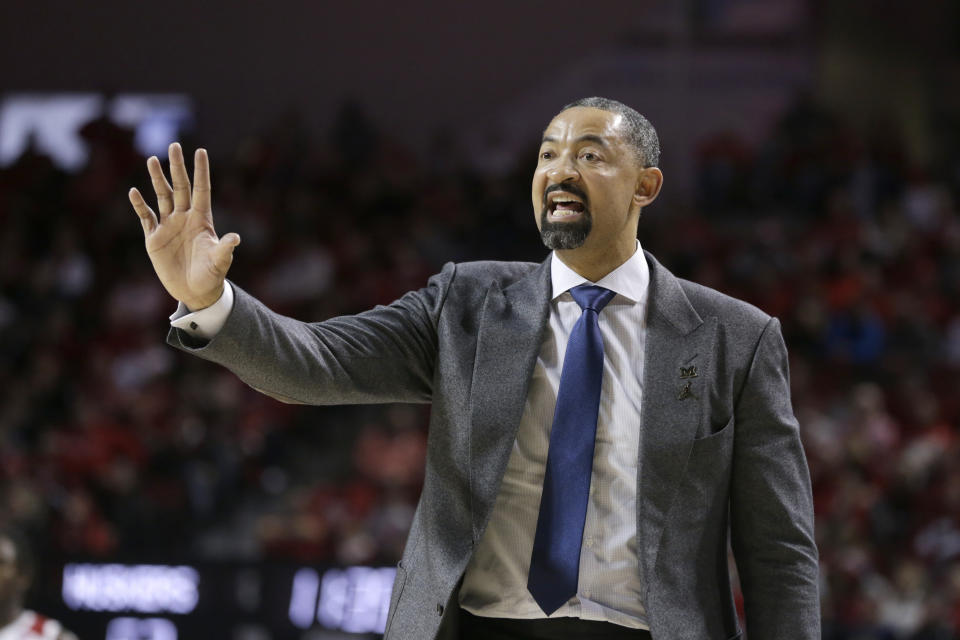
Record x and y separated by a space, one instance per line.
223 254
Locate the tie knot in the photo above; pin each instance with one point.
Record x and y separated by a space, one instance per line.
590 296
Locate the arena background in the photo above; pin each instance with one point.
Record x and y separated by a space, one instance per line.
812 163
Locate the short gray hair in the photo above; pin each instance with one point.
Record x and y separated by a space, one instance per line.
640 133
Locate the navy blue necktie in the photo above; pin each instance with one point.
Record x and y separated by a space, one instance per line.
555 562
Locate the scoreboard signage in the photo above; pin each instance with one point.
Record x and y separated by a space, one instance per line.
176 602
142 588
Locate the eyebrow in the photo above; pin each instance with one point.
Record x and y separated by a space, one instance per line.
590 137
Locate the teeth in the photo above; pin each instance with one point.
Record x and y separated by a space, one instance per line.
564 213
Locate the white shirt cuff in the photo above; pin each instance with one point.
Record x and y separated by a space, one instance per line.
207 322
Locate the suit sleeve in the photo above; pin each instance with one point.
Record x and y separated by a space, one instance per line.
386 354
771 503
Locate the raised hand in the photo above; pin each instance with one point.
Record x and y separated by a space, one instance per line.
189 258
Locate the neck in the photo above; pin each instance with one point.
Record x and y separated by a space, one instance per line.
594 265
9 612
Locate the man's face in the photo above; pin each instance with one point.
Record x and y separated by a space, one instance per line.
586 181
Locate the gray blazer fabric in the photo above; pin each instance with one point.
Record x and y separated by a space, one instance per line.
719 450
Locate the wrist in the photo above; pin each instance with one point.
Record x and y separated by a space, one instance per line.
196 304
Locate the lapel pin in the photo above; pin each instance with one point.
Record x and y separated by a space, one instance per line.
684 391
688 372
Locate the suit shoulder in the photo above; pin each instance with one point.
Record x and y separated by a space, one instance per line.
730 311
483 273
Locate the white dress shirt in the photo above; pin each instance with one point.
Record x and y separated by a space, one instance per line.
610 586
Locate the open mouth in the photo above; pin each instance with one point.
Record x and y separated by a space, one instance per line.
562 207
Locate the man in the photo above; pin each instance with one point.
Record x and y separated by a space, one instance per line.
16 574
596 425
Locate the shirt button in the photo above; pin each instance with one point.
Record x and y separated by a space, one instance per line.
589 544
439 609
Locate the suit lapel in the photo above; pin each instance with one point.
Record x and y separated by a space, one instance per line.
677 372
512 326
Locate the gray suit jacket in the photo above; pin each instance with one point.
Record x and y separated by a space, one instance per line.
719 449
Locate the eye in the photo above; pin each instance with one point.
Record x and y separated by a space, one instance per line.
546 155
589 156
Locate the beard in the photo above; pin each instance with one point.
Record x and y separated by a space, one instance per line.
565 235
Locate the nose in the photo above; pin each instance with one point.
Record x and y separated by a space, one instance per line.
563 170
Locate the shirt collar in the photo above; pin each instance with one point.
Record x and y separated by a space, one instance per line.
630 279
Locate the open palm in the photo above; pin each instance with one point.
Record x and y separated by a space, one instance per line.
189 258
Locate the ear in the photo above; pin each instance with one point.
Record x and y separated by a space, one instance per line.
648 186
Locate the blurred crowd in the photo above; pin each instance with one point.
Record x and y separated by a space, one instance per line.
114 446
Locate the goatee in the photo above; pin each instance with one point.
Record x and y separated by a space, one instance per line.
565 235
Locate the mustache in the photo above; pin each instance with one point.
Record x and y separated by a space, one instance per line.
567 188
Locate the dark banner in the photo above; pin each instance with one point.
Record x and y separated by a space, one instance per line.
100 601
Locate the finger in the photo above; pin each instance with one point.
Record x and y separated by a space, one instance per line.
161 187
201 181
145 213
223 256
181 181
